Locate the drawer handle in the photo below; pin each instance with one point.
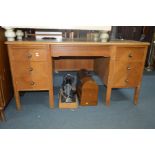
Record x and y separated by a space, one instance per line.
130 55
128 68
37 54
126 81
29 56
31 69
32 83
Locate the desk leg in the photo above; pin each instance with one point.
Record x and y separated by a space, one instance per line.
51 97
17 99
108 95
51 90
2 116
136 95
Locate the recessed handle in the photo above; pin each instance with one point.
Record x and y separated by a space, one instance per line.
130 55
31 69
126 80
128 68
32 83
29 55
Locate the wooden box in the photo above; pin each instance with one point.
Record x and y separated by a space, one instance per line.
63 105
87 89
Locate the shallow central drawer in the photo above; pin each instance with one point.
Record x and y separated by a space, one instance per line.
80 50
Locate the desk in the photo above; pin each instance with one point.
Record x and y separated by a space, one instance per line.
118 63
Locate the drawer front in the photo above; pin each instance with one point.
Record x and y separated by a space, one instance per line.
21 68
29 54
130 53
28 83
33 69
127 74
80 50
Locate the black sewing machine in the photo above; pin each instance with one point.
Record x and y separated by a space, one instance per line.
67 91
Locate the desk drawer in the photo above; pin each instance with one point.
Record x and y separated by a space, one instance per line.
127 74
30 83
130 53
29 54
33 69
80 50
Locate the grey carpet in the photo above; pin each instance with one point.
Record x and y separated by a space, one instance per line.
122 113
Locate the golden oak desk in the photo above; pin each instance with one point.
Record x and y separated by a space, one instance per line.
118 63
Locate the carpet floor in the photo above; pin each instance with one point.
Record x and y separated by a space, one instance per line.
122 113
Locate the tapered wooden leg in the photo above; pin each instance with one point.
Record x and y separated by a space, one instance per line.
17 99
108 95
136 95
2 116
51 98
51 90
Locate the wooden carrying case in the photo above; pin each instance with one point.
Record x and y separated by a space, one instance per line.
87 89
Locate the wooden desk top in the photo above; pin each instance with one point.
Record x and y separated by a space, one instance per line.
79 42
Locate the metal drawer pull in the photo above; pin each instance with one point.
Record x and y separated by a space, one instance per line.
128 68
126 81
130 55
37 54
31 69
32 83
29 56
